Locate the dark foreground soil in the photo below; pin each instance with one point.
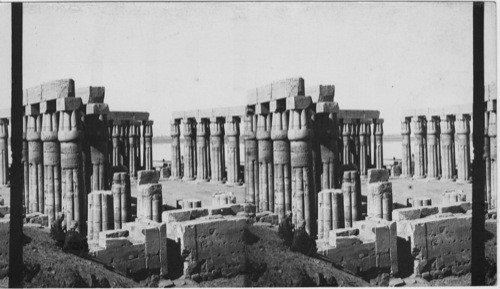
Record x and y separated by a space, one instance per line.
46 265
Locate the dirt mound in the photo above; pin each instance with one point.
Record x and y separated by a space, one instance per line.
46 265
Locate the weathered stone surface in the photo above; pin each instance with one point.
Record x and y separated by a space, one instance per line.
377 175
91 94
148 177
33 95
298 102
68 104
58 89
320 93
279 89
128 115
97 108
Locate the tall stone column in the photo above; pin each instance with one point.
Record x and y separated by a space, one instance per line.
355 141
70 136
116 136
378 132
419 148
232 131
492 133
52 165
281 160
406 147
433 148
346 140
35 153
133 134
251 161
325 130
201 151
188 130
266 167
300 133
447 148
364 147
26 167
175 133
97 136
138 162
148 147
4 151
124 143
462 129
369 143
216 150
121 199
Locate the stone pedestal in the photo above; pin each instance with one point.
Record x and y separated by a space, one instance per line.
326 133
148 144
189 131
462 130
52 165
35 154
406 158
433 148
201 151
216 150
282 168
176 150
97 137
447 148
346 140
300 133
100 211
232 131
251 161
70 136
351 190
121 199
492 134
378 132
419 124
4 151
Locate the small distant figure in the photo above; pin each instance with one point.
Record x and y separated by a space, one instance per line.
302 242
74 242
285 229
58 230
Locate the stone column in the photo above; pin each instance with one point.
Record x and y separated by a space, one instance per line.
492 133
149 199
419 151
232 131
406 147
346 139
26 166
138 163
330 212
369 143
447 148
70 136
266 167
379 196
251 161
216 150
100 211
116 135
52 165
97 136
148 147
121 199
35 153
188 130
433 148
4 151
124 143
364 147
175 133
281 160
300 133
355 141
325 129
351 189
378 132
462 129
133 134
201 151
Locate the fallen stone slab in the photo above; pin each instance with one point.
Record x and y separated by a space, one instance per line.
397 282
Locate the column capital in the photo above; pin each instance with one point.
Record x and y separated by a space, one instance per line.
433 125
264 124
250 127
188 127
232 126
279 128
300 125
419 124
462 124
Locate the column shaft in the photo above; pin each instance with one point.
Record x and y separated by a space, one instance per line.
432 148
176 150
52 165
35 147
251 161
266 167
419 151
282 168
406 148
216 151
232 132
462 155
189 130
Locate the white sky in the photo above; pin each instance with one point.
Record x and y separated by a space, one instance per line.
161 57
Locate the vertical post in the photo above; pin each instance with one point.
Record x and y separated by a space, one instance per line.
4 151
201 151
148 147
251 160
419 131
346 139
52 165
97 136
35 153
447 151
492 133
216 149
364 145
326 133
379 143
266 169
188 131
281 160
232 133
355 141
432 147
133 133
116 135
26 166
406 147
462 152
176 149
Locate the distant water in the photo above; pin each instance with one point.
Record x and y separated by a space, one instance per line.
392 149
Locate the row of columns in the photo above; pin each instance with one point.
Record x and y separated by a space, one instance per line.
441 148
210 146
